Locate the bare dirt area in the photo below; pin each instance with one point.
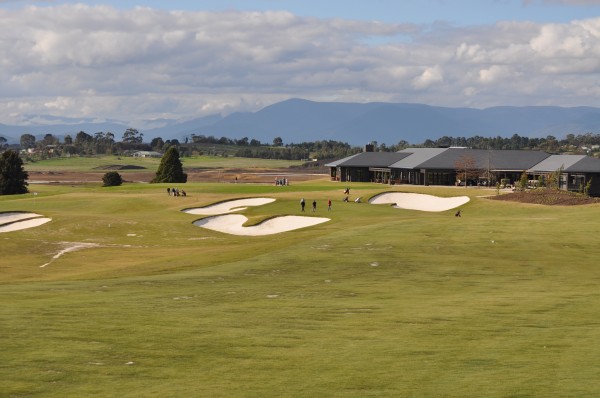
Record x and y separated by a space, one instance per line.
55 177
547 197
256 176
260 176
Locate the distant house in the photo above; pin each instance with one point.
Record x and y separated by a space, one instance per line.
441 166
146 154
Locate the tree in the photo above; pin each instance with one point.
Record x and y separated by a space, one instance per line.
524 181
112 179
83 138
553 179
277 141
170 168
466 167
50 139
242 141
13 177
429 144
27 141
157 143
586 189
132 136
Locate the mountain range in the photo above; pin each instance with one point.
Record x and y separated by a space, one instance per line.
298 120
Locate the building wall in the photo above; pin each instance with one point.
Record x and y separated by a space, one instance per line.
595 186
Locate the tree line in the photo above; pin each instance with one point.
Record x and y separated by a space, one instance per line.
101 143
105 143
581 143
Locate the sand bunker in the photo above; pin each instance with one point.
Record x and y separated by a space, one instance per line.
417 201
16 221
232 224
229 206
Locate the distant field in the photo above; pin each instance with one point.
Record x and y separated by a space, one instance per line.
97 163
377 302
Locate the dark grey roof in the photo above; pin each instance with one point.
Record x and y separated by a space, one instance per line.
586 165
494 160
336 163
484 159
517 160
569 163
369 159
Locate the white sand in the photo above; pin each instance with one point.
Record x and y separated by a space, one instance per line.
10 222
6 218
232 224
416 201
229 206
71 248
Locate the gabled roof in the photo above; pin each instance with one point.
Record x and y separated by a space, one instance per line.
586 165
149 153
416 156
369 159
338 162
505 160
515 160
494 160
569 163
447 158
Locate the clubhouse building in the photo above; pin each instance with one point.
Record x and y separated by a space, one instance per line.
460 166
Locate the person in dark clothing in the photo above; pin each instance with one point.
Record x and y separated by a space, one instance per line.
302 203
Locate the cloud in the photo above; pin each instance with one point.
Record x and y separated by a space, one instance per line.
430 76
493 74
145 64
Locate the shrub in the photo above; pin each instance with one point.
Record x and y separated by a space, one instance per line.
523 181
112 179
586 189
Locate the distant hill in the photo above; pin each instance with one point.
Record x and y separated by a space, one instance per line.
13 133
298 120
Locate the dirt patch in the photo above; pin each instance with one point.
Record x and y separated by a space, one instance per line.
547 197
253 175
120 167
49 177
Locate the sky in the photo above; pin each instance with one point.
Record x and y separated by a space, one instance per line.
147 64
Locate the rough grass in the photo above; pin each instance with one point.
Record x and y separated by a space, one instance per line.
377 302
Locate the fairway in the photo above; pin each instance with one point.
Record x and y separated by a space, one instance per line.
120 294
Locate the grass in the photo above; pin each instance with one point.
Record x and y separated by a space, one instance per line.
376 302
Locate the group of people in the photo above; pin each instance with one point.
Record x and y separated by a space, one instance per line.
314 205
281 181
175 192
347 197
